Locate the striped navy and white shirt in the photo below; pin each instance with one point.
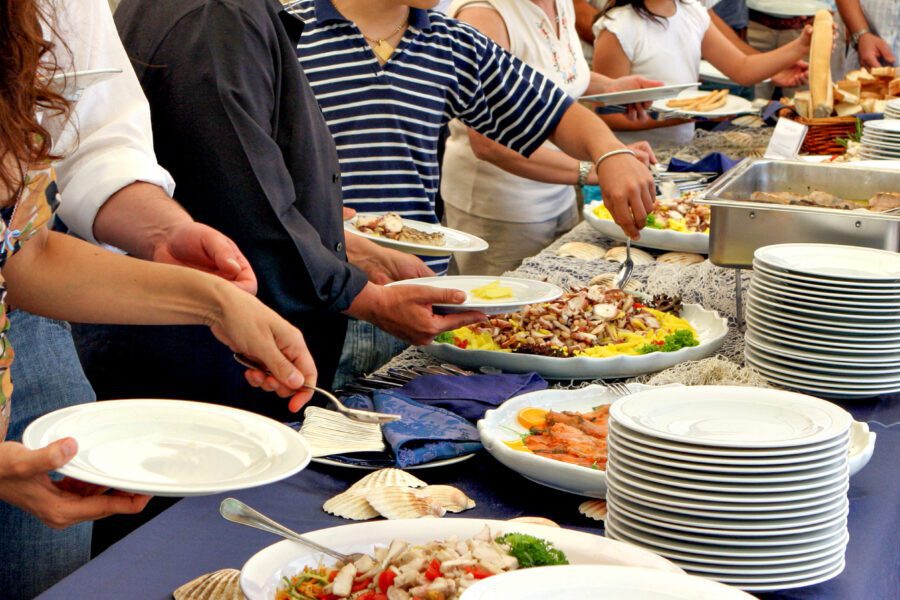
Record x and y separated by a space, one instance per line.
386 119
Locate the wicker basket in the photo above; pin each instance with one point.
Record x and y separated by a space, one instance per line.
823 132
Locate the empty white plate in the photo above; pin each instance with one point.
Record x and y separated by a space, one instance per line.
641 95
171 447
832 261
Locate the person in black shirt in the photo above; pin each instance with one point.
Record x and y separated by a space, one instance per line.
237 126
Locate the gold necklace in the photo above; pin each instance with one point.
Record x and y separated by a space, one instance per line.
382 48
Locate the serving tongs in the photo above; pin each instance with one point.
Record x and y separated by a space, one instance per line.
363 416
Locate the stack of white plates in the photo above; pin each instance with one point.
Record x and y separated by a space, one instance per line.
825 319
747 486
892 111
881 140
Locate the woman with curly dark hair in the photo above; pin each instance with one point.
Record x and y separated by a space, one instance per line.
55 275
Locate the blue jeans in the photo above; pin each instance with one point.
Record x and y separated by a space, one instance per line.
47 376
366 348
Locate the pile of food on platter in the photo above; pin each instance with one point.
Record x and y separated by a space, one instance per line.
572 437
591 321
390 225
880 202
439 570
677 214
703 103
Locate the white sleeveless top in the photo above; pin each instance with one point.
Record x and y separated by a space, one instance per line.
478 187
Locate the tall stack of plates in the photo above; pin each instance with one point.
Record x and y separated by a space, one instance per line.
881 140
825 319
892 111
747 486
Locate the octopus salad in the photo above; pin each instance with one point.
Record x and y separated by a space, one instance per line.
391 226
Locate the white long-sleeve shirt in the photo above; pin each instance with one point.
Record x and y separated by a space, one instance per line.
107 142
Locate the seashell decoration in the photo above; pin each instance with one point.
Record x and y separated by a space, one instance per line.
683 259
593 509
606 280
581 250
640 257
452 499
396 494
403 503
219 585
535 521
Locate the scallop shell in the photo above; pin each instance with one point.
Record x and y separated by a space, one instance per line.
593 509
639 257
581 250
535 521
680 258
350 505
219 585
387 478
606 280
453 499
403 503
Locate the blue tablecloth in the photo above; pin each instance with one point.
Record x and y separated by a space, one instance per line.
190 538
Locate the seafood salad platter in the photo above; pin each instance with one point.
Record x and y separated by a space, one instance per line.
425 558
587 333
426 239
677 224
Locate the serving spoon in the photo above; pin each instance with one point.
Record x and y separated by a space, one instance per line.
236 511
624 273
363 416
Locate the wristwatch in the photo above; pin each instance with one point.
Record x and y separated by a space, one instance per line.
584 170
854 38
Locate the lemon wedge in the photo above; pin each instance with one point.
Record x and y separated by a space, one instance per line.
492 291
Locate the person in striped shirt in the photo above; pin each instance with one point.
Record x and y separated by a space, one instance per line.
389 74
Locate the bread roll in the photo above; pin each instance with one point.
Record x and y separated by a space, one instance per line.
820 89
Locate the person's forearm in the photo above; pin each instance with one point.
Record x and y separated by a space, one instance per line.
853 16
107 287
137 218
583 136
544 165
730 34
755 68
599 84
623 123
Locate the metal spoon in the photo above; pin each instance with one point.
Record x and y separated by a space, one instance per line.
363 416
624 273
237 512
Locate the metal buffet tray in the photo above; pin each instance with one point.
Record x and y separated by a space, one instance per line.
740 226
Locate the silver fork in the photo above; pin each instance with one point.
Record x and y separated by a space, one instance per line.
624 273
618 390
363 416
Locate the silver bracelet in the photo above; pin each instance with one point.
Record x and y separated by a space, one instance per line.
613 153
584 170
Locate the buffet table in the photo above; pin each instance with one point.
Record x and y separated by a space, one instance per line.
191 538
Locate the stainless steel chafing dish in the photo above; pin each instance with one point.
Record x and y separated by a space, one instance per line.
740 226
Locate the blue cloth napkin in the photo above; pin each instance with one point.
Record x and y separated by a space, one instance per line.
424 434
471 396
716 162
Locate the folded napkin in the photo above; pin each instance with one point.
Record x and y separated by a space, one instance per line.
715 162
471 396
424 434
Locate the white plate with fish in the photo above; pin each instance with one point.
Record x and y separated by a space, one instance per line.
711 330
415 237
660 239
263 574
489 295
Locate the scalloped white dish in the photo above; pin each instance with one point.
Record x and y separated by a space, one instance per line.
454 240
710 326
660 239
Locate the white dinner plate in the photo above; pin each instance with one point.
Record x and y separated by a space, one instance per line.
172 447
454 240
786 9
803 378
892 360
831 558
583 582
660 239
710 327
500 425
262 574
641 95
887 126
851 287
861 328
732 417
825 292
844 263
878 355
824 366
72 84
734 105
824 391
444 462
845 303
777 333
827 316
524 291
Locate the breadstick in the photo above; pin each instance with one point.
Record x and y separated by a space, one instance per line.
820 47
716 101
686 101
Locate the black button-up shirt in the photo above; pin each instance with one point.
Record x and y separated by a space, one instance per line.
236 124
